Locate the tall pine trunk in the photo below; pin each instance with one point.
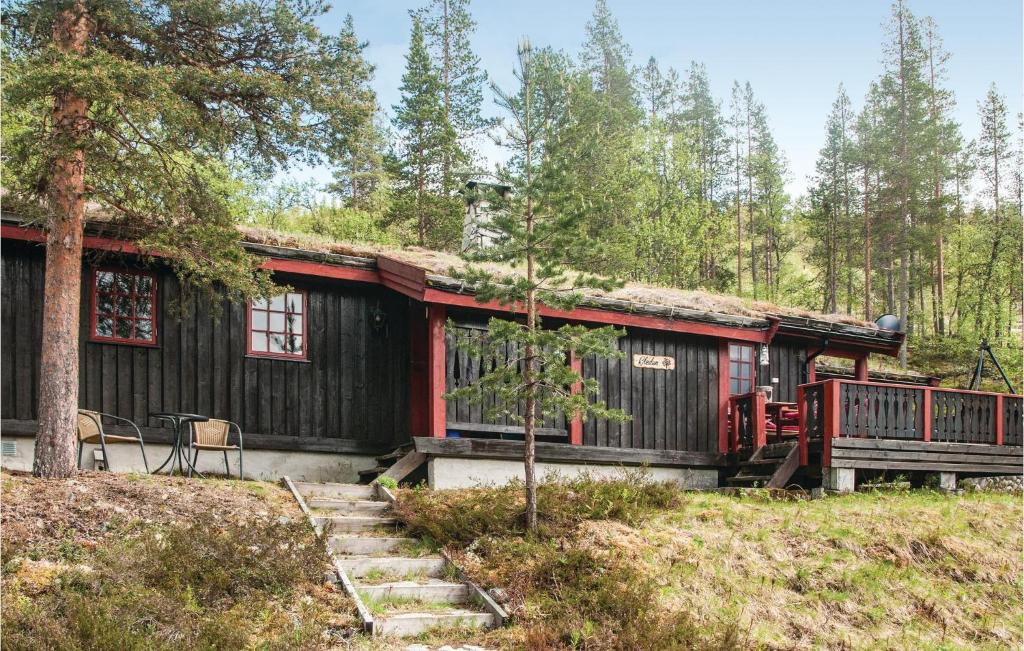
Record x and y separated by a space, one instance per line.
58 381
529 455
867 249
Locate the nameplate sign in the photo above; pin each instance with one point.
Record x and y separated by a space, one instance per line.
663 362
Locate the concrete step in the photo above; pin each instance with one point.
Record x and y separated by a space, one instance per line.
412 624
359 566
365 545
311 490
748 479
348 507
431 590
351 523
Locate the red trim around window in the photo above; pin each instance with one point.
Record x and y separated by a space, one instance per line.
294 356
750 362
114 317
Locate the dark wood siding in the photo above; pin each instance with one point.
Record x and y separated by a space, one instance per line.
671 410
463 367
353 388
787 362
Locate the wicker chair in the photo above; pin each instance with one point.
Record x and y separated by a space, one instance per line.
213 435
90 430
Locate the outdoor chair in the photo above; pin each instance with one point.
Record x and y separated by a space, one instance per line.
90 430
213 435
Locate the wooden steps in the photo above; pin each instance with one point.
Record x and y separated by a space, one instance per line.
771 466
396 594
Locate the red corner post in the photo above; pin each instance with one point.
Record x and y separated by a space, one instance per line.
926 416
436 370
760 428
801 434
723 396
576 424
831 420
860 369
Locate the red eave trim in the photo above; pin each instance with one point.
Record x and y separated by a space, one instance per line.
604 317
307 268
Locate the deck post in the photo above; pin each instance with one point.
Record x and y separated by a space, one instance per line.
947 481
576 424
843 480
860 369
760 430
831 420
1000 418
926 416
436 353
802 426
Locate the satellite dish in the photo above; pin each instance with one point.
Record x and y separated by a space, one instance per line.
888 322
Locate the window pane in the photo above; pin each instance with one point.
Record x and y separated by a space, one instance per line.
277 343
123 305
104 303
277 303
123 283
295 303
260 304
104 281
734 387
143 284
259 342
144 329
259 320
143 306
277 322
104 326
745 353
295 324
123 328
295 344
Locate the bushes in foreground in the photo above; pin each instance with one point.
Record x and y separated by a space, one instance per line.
208 584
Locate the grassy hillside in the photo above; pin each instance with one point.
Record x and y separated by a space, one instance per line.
109 561
635 565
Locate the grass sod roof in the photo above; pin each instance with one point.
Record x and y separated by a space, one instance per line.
671 302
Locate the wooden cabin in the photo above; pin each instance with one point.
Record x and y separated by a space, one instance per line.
353 362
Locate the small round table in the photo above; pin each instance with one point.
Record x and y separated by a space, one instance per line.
177 419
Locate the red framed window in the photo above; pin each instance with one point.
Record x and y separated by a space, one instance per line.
277 327
741 368
123 306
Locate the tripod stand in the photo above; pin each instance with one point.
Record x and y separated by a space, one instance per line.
976 380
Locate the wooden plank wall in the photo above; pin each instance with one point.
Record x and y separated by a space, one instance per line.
355 385
671 410
788 362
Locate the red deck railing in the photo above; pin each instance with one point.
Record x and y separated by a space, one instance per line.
848 408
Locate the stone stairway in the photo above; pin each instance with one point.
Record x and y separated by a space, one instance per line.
401 586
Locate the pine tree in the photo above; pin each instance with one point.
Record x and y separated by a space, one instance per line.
137 106
994 151
428 141
544 241
447 29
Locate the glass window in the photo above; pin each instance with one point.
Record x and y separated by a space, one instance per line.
123 306
277 326
741 368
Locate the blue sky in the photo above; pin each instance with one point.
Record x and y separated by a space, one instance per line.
795 53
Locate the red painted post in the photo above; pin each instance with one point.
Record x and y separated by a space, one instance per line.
831 419
801 410
926 416
723 396
436 370
860 369
812 371
576 424
1000 405
760 430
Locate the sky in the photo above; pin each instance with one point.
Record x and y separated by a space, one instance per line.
795 53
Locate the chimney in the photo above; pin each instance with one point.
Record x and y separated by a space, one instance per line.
476 225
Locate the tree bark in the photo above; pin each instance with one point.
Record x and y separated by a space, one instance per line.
58 381
529 447
867 249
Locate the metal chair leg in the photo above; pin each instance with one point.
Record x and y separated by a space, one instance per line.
195 460
227 468
239 461
79 454
145 463
106 459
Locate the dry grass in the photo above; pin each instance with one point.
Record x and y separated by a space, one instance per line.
110 561
444 264
904 570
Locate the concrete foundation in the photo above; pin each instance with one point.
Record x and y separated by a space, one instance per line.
268 465
462 472
947 481
839 479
